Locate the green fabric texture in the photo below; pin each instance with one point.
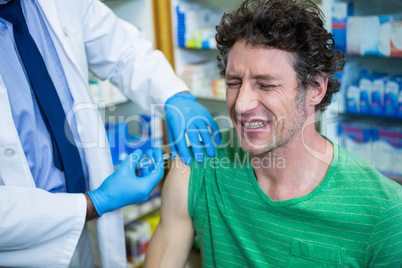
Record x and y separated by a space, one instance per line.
353 218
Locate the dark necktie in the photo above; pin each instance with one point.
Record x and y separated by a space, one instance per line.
66 155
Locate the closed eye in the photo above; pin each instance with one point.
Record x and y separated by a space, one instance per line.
233 85
267 87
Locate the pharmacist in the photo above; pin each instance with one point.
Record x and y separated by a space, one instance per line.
56 172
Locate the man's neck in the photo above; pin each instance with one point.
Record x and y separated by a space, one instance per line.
299 166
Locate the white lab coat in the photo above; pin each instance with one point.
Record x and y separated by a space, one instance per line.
39 229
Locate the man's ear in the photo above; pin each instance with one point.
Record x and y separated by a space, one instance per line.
316 94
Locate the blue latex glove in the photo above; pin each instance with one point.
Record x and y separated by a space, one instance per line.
146 168
185 115
124 187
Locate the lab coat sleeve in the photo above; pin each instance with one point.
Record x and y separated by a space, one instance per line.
37 228
116 51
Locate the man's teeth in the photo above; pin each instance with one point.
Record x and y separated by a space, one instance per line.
255 124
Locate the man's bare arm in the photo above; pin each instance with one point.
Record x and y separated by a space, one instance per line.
173 238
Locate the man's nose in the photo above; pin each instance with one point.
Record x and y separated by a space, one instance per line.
247 99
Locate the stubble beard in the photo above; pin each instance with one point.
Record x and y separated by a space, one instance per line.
276 138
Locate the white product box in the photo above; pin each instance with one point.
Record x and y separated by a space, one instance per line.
387 149
354 35
396 39
356 138
371 29
372 35
353 99
384 36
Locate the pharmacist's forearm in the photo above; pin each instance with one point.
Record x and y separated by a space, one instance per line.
91 211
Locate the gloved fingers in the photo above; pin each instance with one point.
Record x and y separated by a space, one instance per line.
144 167
132 161
215 130
140 173
207 118
172 143
181 144
204 115
196 147
150 156
206 138
158 157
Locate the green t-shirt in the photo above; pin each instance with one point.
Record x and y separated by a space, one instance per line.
353 218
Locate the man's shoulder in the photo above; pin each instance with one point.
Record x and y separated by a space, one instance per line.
229 158
354 172
175 188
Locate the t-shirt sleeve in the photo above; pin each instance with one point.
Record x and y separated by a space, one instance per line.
385 246
196 182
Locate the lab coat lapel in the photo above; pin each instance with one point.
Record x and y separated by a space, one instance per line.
50 14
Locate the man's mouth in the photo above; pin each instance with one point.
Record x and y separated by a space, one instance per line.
255 124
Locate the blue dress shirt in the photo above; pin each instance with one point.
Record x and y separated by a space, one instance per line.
34 136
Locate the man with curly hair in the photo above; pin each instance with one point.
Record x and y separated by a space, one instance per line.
278 194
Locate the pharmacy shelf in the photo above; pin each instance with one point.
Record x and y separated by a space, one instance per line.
355 56
136 211
389 65
373 118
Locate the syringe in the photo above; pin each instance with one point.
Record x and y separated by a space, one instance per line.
152 161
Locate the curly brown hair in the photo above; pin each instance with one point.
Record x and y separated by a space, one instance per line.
289 25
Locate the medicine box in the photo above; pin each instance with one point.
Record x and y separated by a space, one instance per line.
387 149
356 138
353 99
365 88
340 13
373 35
354 35
377 96
396 39
400 103
392 88
137 235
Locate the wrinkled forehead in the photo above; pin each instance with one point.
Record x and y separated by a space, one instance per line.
259 61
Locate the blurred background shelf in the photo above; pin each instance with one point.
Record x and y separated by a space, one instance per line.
134 212
373 63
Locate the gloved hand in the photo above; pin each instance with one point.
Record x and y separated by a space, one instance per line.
124 187
185 115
